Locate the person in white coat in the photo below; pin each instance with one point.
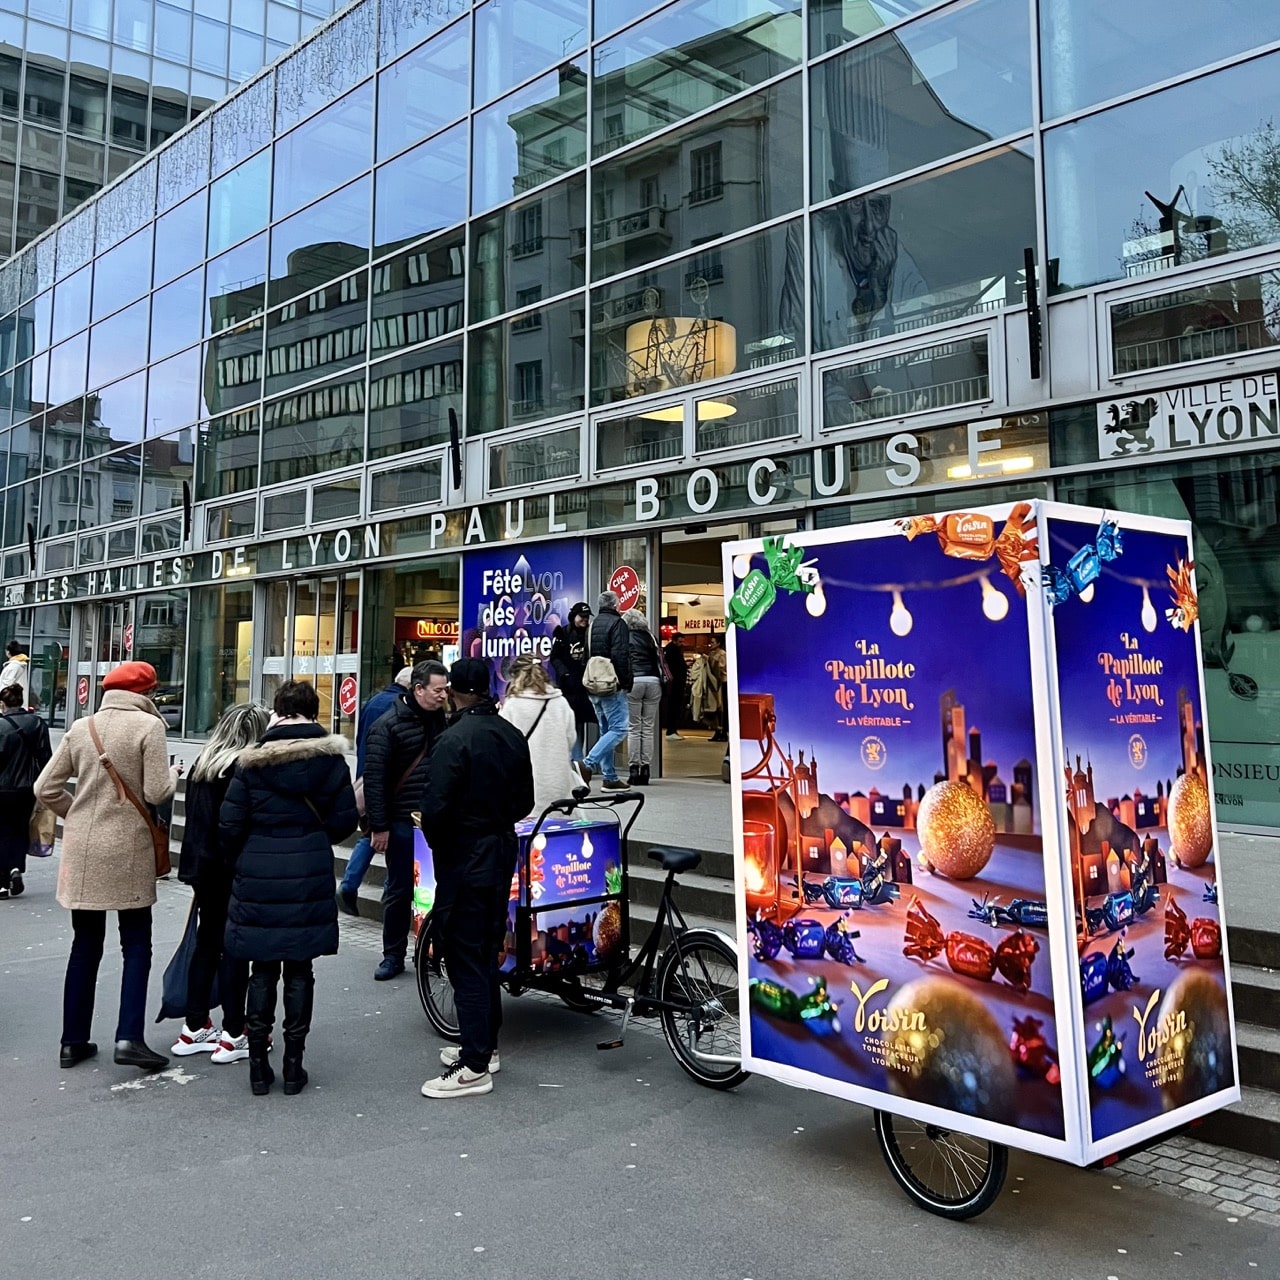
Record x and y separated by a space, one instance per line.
542 713
17 669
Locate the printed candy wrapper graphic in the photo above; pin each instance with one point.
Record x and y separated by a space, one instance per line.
1085 567
972 536
1186 607
757 591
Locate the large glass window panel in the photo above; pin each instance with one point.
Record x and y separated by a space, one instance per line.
1169 179
173 392
235 520
122 274
835 22
236 285
238 202
44 94
68 369
328 239
511 49
63 440
209 46
686 57
37 205
115 415
406 486
287 510
180 238
60 508
30 383
160 638
417 295
535 459
129 117
648 438
319 155
168 113
938 247
1205 322
523 374
21 506
314 430
133 24
530 137
337 501
751 416
118 344
537 243
898 383
410 397
173 33
233 367
323 68
716 312
166 464
246 54
109 489
402 24
422 191
177 311
949 82
424 91
183 165
93 17
227 459
219 654
1092 50
243 123
87 106
71 304
160 536
739 166
317 335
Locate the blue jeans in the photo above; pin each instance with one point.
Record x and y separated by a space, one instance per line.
397 892
357 865
614 716
88 935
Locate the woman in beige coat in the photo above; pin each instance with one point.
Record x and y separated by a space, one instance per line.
108 859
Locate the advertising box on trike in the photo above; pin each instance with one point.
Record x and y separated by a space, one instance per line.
976 852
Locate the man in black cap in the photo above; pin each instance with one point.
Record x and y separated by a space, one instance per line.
479 785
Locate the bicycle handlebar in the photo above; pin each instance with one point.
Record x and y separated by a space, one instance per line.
582 797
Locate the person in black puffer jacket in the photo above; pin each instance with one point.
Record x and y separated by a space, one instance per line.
395 772
610 638
24 751
289 802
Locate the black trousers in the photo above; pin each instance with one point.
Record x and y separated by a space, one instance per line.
299 993
473 926
89 933
212 894
15 831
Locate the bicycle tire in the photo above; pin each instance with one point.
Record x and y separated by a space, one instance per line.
568 990
950 1174
434 988
700 968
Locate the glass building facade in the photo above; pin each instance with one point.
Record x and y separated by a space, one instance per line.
88 86
629 274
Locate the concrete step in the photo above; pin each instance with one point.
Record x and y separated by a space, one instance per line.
714 862
1252 1124
1257 947
1256 995
708 896
1259 1053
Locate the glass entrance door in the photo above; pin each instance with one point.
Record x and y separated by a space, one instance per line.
103 642
312 634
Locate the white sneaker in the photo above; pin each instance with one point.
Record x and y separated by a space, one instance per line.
203 1041
231 1049
451 1054
457 1081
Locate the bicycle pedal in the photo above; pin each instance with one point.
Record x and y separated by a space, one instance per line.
622 1030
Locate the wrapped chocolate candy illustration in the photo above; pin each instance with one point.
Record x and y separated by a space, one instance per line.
813 1009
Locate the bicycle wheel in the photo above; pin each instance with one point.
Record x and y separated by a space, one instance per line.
434 988
699 970
951 1174
571 988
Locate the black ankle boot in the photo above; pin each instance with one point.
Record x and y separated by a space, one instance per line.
644 775
261 1077
295 1078
633 775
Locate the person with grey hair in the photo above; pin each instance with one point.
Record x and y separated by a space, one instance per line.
644 698
610 638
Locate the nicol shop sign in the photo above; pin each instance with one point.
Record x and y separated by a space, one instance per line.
1206 415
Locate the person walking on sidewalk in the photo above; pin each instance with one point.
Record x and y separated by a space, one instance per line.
610 638
718 670
289 802
647 678
542 714
17 670
479 785
204 867
676 694
568 662
362 854
108 860
24 751
395 773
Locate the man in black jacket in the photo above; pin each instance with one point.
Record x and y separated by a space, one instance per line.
395 772
479 785
610 638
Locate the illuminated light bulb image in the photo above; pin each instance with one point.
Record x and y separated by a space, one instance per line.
741 566
816 603
1148 611
1087 594
900 618
995 604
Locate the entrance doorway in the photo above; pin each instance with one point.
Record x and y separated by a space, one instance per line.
312 633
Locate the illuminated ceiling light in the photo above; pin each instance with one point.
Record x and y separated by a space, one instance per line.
995 604
1020 462
900 618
